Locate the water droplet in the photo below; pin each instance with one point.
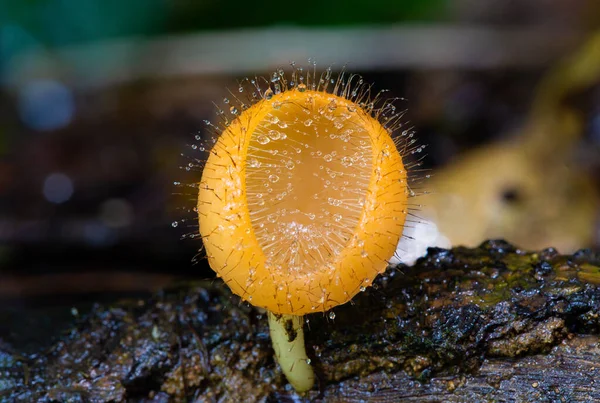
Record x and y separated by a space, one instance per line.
262 139
274 134
197 137
174 224
253 163
308 122
328 157
308 361
226 100
268 94
273 178
337 217
362 288
334 202
332 315
233 110
364 253
301 86
241 89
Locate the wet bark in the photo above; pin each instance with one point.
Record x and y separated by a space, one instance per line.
477 325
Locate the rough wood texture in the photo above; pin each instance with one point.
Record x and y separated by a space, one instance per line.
477 325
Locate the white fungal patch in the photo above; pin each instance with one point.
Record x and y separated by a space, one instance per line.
416 239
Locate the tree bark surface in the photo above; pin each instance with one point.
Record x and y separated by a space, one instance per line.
463 325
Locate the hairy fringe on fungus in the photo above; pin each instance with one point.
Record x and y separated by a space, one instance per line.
303 197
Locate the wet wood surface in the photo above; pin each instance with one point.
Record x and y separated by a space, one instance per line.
486 324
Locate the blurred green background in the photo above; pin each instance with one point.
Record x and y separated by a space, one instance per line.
56 23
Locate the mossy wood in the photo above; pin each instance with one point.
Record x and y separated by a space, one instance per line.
485 324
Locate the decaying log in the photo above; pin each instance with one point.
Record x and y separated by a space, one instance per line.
478 325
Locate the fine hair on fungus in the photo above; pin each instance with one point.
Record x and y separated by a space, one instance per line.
303 197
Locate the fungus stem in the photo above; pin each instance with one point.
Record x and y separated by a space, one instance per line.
287 336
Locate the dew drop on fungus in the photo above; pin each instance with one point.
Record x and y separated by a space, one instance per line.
274 134
262 139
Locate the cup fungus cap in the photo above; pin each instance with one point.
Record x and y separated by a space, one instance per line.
302 201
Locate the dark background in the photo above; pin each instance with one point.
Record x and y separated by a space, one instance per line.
99 99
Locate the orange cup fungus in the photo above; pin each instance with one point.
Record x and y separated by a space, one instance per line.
302 200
